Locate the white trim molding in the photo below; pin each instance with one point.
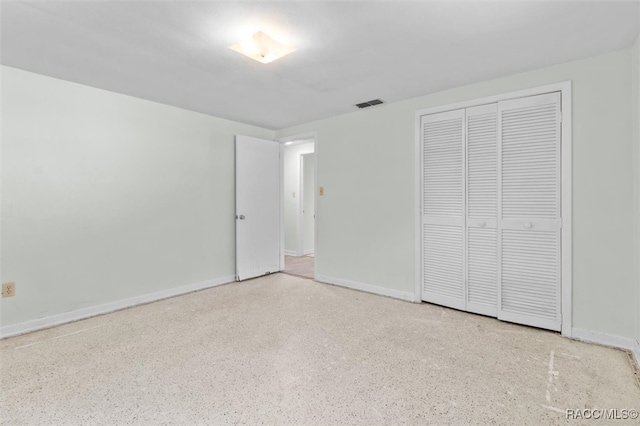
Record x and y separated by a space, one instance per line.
92 311
368 288
565 88
298 138
605 339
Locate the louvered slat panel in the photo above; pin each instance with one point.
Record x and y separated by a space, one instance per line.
529 208
443 208
443 269
482 206
443 167
529 278
530 148
482 164
482 270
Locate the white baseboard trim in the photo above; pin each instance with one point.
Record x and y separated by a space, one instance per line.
306 252
621 342
91 311
368 288
290 253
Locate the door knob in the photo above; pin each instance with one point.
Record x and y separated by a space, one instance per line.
527 225
241 217
482 223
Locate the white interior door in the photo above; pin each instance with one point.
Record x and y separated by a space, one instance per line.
308 202
257 207
443 208
529 223
482 209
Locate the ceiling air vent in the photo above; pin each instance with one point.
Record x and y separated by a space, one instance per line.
369 103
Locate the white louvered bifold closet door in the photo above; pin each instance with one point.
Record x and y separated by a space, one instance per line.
482 209
443 208
529 222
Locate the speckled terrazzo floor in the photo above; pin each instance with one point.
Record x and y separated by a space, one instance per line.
287 350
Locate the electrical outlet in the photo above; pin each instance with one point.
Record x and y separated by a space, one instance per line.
8 289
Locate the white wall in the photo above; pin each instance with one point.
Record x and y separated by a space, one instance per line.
636 116
366 165
106 196
292 185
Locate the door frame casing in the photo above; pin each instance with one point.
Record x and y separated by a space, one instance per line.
301 227
565 88
306 137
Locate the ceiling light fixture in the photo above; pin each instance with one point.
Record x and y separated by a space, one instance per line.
262 48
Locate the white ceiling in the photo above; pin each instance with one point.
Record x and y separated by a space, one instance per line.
176 52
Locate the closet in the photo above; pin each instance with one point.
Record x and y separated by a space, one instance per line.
491 209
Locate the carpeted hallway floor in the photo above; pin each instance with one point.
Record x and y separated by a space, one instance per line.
285 350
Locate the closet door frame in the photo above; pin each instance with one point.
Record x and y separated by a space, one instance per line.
566 184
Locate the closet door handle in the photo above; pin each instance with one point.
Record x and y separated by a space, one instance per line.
527 225
482 223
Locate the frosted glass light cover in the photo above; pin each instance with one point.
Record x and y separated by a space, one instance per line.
262 48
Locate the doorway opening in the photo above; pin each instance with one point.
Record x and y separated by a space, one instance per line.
299 183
